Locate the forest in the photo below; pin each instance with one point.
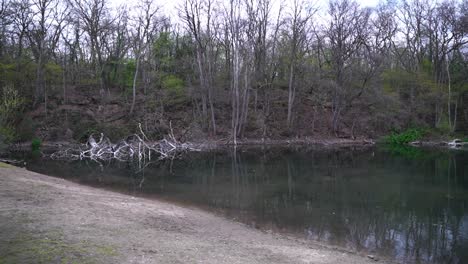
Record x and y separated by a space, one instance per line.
231 69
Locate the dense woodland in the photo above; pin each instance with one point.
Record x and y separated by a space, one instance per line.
230 69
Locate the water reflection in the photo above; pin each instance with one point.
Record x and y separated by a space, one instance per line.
410 204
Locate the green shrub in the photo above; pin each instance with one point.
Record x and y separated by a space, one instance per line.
53 72
11 108
174 85
36 144
405 137
124 78
7 133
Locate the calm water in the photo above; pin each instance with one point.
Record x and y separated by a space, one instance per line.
407 204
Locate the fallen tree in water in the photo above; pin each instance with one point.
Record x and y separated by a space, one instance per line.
134 147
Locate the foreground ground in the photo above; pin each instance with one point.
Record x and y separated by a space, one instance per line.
49 220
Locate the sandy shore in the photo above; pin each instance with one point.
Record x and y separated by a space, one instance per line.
49 220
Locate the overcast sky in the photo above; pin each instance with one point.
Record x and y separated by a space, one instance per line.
169 6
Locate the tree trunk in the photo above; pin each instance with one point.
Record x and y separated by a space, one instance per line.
213 120
449 105
454 127
39 92
291 95
134 84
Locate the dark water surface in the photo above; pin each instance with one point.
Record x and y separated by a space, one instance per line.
408 204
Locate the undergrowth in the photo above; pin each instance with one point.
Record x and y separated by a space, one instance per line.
405 137
36 144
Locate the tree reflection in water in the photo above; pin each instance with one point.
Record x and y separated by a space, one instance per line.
408 204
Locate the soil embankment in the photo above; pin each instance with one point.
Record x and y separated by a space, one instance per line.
49 220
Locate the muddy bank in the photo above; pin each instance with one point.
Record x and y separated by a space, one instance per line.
213 144
50 220
291 141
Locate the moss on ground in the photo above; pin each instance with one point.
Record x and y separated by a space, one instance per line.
4 165
51 247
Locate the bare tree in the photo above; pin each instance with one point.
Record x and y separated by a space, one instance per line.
347 33
273 63
145 26
198 17
44 33
73 45
117 43
5 20
22 19
233 16
445 37
297 26
95 20
432 32
4 11
261 43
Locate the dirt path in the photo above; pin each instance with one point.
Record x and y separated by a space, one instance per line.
49 220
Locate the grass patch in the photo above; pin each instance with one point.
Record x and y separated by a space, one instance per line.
4 165
106 250
51 247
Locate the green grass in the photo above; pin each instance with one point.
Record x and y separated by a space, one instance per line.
51 247
405 137
4 165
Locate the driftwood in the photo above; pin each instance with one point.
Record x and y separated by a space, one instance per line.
455 144
136 147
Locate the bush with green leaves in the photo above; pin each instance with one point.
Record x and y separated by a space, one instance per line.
405 137
7 133
174 85
36 144
174 88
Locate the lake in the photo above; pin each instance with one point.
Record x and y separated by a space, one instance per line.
407 204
